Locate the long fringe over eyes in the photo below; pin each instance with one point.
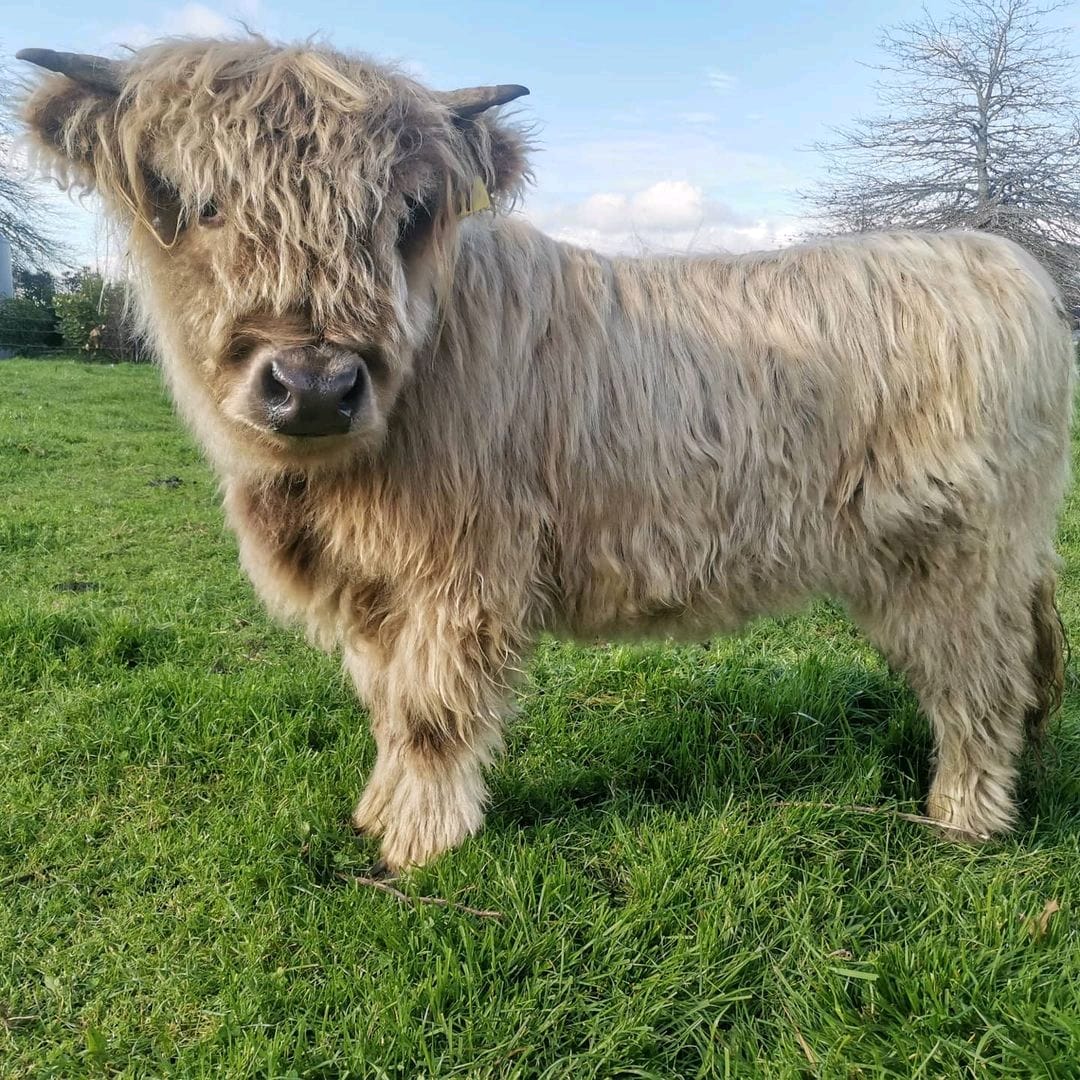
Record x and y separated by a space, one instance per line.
313 157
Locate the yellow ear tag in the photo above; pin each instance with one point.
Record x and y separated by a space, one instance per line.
478 199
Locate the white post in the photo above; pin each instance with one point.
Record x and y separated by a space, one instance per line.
6 286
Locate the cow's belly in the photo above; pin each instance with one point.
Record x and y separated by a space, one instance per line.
645 583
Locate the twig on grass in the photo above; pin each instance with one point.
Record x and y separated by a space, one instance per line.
811 1057
405 898
25 875
808 1052
14 1021
918 819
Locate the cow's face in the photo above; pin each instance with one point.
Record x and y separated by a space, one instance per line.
293 214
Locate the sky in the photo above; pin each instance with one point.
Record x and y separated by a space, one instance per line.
679 127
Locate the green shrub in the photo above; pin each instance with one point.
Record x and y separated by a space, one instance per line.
81 311
95 320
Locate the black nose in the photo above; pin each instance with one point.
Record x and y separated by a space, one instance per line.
309 398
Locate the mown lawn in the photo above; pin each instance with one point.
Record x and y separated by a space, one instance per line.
176 893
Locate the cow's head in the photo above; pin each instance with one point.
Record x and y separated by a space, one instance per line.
293 214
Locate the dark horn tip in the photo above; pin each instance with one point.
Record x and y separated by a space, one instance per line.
508 92
35 56
97 72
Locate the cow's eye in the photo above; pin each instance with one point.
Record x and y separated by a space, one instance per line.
163 207
414 227
210 215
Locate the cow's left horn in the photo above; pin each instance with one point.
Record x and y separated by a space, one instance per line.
475 99
95 71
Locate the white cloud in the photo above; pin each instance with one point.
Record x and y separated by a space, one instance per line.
670 204
721 80
697 117
663 189
200 21
603 211
667 217
188 20
636 159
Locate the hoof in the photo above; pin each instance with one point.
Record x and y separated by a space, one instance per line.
359 828
382 871
973 814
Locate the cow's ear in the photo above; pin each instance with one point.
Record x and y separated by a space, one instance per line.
501 151
71 116
499 147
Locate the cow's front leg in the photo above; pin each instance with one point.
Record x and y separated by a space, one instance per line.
422 800
436 716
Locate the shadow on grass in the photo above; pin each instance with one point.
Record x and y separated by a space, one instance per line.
817 730
696 737
88 641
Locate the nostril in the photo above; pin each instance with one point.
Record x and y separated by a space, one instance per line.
274 389
350 400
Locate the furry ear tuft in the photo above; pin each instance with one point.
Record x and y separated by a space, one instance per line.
509 160
67 122
501 151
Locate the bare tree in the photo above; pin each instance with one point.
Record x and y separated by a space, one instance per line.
23 219
979 129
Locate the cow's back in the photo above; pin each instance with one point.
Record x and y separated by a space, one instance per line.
740 429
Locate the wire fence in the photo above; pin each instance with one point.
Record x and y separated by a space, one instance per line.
32 329
27 331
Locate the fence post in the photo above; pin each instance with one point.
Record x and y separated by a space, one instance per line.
7 287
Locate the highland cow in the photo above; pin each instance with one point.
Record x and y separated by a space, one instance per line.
441 433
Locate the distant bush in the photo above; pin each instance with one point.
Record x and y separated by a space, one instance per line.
78 311
81 311
95 319
38 285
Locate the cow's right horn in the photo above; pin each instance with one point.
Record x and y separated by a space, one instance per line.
473 100
95 71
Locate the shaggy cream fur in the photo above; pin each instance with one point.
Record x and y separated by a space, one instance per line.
559 441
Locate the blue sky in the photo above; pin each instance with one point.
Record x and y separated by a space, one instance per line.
685 126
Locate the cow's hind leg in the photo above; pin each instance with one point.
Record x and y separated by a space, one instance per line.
978 661
1049 658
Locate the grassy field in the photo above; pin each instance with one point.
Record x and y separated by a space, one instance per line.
683 886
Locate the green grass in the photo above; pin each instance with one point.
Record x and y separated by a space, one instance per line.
175 775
